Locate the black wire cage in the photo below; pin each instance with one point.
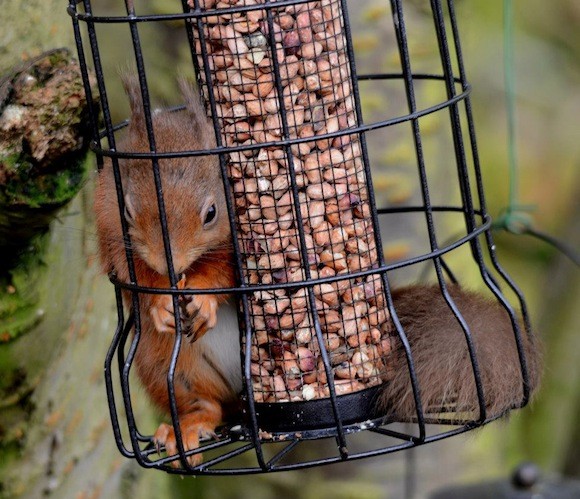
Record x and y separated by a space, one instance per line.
318 323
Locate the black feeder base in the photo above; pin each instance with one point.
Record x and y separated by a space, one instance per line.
300 417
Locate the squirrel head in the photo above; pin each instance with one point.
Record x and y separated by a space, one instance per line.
191 188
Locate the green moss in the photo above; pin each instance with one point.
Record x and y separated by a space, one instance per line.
16 317
61 56
52 189
19 291
29 201
11 162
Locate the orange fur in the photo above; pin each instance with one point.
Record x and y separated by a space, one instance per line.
203 257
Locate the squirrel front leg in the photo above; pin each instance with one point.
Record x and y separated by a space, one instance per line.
198 316
200 309
161 310
199 390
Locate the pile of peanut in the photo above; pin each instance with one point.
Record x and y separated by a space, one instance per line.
301 48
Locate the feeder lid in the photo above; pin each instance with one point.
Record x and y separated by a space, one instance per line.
526 483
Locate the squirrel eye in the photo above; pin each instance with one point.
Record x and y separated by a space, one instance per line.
210 215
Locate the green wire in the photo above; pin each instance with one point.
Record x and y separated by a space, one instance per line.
510 96
513 217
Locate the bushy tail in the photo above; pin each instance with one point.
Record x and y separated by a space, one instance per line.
441 357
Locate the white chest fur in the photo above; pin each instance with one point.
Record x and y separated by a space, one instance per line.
224 344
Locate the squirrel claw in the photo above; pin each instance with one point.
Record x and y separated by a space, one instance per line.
185 299
197 334
198 314
191 433
162 309
201 315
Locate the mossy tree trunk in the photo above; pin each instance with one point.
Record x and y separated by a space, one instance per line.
57 313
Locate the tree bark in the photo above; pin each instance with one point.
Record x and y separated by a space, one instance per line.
57 312
57 439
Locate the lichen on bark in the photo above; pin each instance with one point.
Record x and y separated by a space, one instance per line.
44 138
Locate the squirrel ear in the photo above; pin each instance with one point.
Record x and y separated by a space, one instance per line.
194 106
133 91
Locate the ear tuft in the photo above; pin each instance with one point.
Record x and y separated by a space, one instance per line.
194 106
133 90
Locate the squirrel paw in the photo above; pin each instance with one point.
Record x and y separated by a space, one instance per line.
162 310
201 315
162 314
191 433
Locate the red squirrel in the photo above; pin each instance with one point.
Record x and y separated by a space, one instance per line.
208 374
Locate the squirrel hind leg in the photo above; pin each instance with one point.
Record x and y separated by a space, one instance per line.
195 425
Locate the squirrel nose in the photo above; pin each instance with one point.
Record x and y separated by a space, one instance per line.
160 266
180 265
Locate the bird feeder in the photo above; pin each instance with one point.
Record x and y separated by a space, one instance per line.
318 327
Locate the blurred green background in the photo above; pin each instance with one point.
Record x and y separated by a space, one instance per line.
547 73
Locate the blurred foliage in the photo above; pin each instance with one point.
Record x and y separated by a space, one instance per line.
548 103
